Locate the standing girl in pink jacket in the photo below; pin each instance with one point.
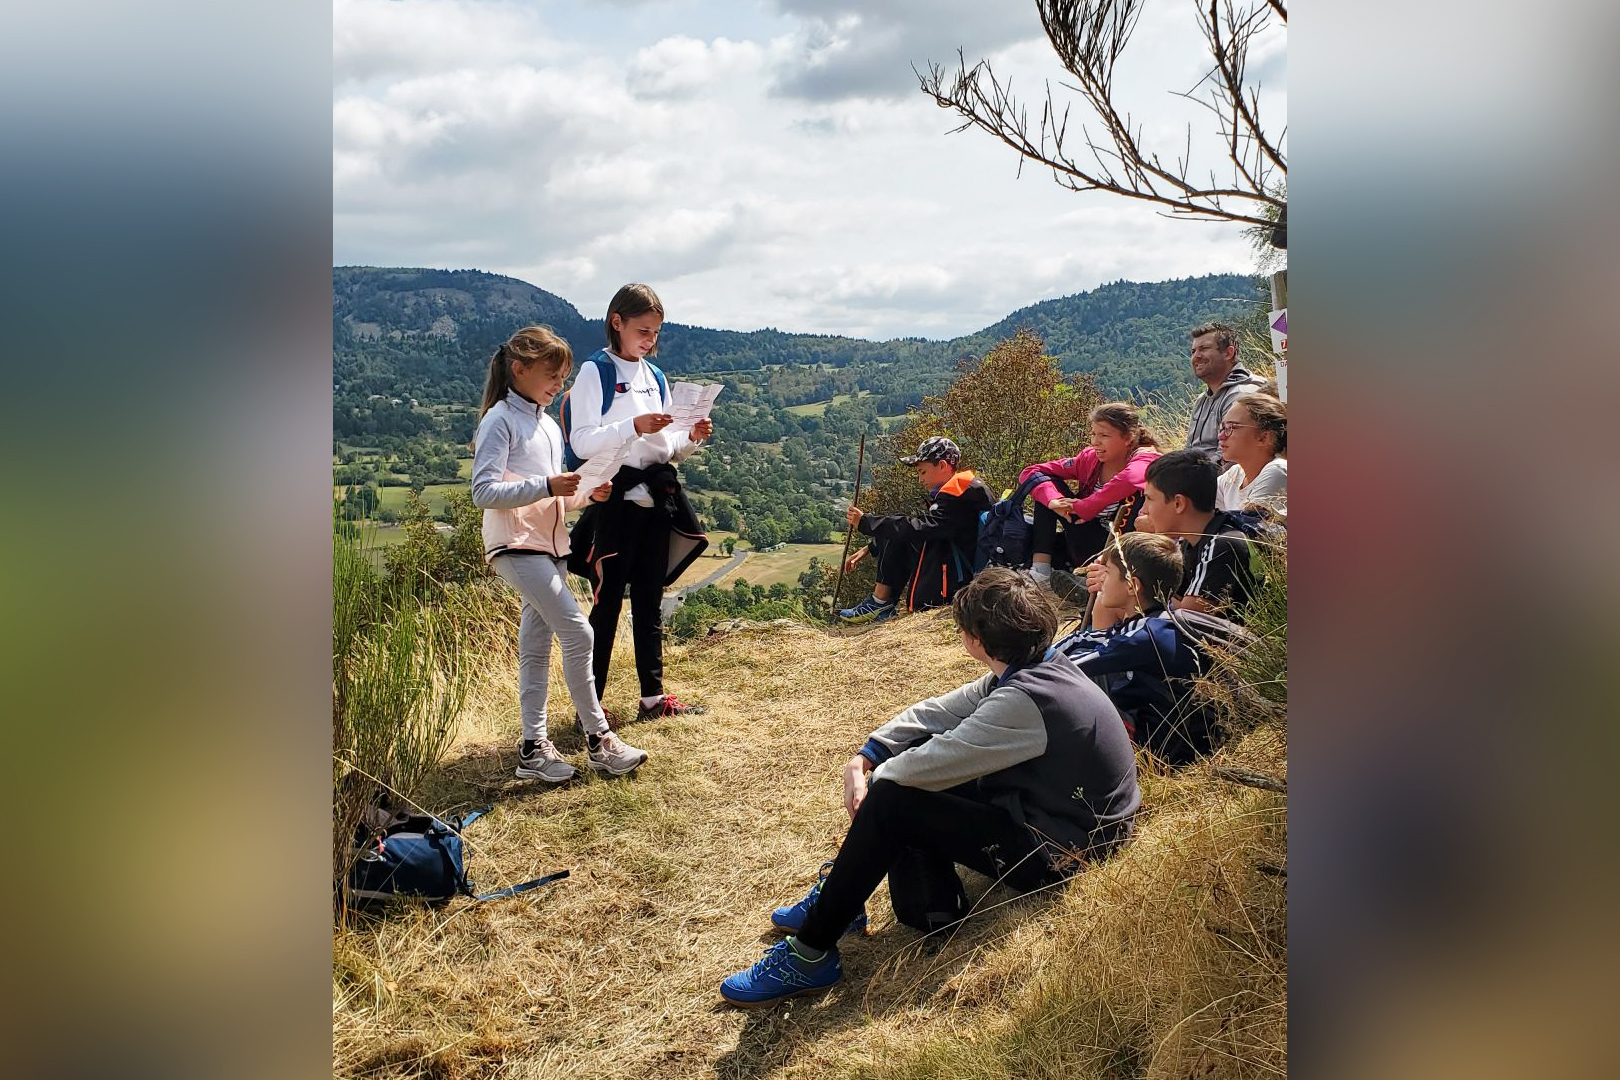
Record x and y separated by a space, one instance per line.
1105 474
520 483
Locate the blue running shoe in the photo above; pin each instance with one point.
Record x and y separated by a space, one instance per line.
869 610
781 973
791 918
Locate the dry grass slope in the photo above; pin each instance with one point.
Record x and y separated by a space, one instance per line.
1166 961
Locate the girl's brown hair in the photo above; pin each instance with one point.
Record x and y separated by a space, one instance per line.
1123 417
627 303
1268 414
530 345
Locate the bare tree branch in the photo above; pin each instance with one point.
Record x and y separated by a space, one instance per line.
1090 37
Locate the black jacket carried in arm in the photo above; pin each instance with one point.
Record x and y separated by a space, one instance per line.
946 535
597 533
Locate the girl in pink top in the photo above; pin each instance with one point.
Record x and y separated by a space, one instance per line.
1105 474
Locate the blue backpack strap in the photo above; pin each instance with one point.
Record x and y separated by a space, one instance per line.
471 816
513 890
609 375
663 383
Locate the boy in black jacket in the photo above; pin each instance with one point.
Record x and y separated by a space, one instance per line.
922 558
1148 661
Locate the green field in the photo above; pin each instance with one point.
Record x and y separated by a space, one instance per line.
816 408
393 498
768 568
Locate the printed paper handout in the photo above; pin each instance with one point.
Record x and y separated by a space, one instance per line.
690 402
601 469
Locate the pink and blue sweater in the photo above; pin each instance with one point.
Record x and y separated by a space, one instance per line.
1082 470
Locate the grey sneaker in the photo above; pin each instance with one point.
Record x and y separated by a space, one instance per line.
614 756
543 763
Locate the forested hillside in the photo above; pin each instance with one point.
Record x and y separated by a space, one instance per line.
410 349
427 335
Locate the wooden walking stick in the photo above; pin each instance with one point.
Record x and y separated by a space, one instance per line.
849 535
1113 533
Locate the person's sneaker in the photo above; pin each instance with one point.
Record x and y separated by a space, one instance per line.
542 762
669 705
791 917
781 973
614 756
615 721
869 610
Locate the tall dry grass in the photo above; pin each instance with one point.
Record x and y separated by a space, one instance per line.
614 971
400 671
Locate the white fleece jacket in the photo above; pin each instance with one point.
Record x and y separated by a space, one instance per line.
516 448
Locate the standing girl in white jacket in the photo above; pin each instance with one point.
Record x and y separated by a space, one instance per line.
519 482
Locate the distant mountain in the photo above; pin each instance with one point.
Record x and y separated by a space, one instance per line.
427 335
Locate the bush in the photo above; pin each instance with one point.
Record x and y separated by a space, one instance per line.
1010 409
428 559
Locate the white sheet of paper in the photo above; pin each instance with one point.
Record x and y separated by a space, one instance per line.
690 402
600 469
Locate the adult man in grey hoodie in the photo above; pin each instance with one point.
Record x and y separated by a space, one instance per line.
1214 362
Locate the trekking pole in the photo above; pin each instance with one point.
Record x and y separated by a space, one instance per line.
849 535
1113 532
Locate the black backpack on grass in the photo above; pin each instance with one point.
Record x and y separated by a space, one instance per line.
1005 532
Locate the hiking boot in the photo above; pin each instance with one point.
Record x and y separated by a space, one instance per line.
542 762
615 721
1067 587
781 973
869 610
669 705
791 918
614 756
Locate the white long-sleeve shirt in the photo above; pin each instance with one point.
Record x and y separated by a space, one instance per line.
594 433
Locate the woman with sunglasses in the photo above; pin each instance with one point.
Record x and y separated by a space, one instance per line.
1254 437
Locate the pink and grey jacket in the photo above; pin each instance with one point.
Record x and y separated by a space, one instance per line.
517 446
1082 471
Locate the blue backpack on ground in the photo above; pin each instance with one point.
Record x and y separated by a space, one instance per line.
1004 531
608 373
419 855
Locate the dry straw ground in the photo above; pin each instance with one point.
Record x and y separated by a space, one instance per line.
1168 960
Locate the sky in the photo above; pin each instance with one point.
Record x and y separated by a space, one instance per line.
760 163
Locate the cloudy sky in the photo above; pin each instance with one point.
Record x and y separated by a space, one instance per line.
759 162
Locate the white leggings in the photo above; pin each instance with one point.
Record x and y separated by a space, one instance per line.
548 608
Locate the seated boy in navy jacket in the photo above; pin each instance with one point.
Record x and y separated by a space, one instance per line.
1023 775
1148 660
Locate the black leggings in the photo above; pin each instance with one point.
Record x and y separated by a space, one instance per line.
1082 540
916 838
642 563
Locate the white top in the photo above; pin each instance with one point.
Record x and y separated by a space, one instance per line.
593 433
1268 489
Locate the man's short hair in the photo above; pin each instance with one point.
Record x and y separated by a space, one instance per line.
1186 472
1225 336
1153 559
1010 614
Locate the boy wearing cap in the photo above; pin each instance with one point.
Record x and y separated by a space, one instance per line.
922 559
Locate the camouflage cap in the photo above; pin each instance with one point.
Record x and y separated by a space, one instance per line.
939 448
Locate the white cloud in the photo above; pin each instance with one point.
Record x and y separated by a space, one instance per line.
680 66
479 134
